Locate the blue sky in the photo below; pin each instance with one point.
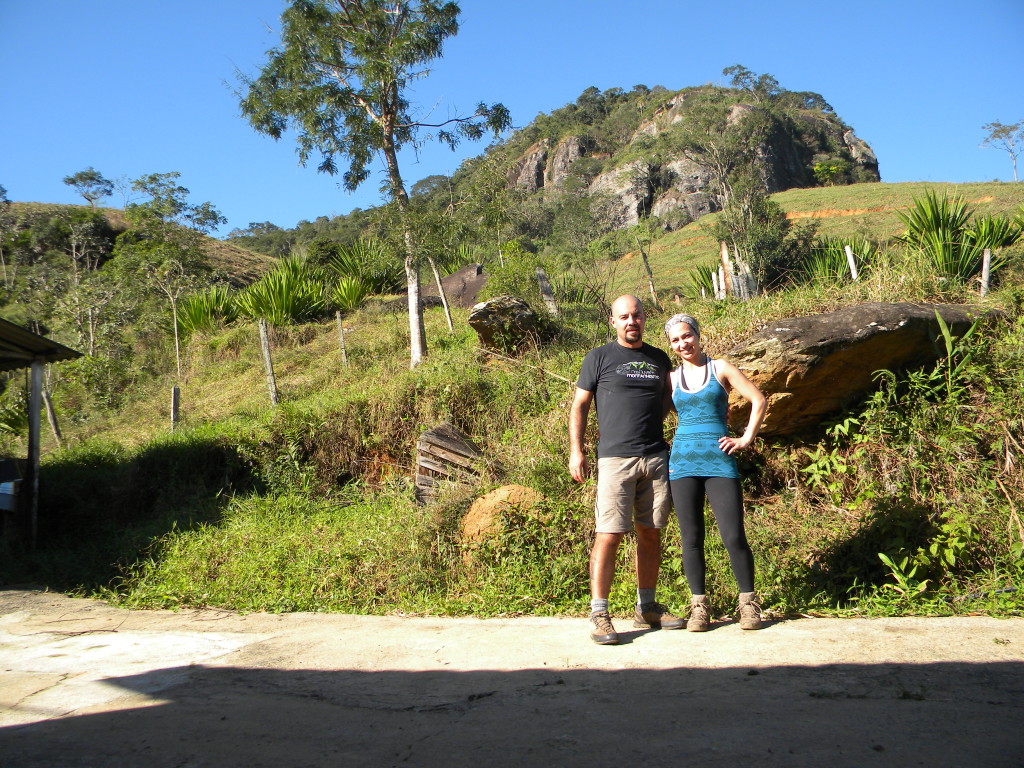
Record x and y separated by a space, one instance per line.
132 87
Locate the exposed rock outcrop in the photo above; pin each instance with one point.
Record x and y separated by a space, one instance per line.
527 173
811 367
626 193
569 150
671 184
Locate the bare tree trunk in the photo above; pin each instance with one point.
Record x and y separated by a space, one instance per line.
51 416
647 269
417 334
175 404
726 272
177 339
440 290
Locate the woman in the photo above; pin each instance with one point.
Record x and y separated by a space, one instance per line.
702 465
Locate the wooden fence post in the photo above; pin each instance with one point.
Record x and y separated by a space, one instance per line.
35 400
175 403
986 271
852 262
547 292
268 363
341 338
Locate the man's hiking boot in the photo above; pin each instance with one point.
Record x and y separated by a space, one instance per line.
656 616
700 615
750 611
603 633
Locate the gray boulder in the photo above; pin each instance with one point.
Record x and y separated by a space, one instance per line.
507 323
812 367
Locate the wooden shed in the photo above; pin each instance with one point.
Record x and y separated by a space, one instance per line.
20 348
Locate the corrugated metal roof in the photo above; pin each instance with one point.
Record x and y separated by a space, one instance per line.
19 347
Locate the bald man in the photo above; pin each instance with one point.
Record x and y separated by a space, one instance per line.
628 383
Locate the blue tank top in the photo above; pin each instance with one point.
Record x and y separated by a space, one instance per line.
695 449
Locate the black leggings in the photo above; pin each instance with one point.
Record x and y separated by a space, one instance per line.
726 498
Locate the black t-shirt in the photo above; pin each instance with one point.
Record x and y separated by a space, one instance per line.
629 386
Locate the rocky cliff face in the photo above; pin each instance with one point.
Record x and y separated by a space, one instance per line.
673 186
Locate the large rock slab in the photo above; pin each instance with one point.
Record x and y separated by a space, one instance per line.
811 367
461 288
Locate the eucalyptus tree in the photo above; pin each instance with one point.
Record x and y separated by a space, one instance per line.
340 79
1009 138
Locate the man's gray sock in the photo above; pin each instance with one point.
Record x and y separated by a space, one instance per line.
644 596
598 605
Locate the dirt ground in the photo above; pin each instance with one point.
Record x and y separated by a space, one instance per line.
86 684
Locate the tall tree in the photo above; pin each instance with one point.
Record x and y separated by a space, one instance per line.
340 79
1009 138
7 222
91 185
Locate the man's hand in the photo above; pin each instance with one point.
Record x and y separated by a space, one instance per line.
579 467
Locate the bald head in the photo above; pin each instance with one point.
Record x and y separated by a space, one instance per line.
628 319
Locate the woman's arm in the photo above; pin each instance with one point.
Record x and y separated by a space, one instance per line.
734 379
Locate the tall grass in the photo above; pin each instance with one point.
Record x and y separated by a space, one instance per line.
827 261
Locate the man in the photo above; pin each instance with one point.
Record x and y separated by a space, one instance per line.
628 382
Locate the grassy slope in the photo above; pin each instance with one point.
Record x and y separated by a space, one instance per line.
226 376
858 210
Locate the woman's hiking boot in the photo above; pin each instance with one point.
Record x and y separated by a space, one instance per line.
603 632
700 614
750 611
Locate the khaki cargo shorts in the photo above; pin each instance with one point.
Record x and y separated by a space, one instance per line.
632 488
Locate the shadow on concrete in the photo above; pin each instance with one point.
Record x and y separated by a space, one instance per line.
944 714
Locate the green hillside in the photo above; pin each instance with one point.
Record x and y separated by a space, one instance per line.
309 505
856 210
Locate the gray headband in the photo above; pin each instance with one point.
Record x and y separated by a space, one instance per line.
681 318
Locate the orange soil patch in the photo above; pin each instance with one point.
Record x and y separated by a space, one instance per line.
829 213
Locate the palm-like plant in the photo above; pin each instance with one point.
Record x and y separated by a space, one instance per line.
207 311
702 281
370 260
292 292
938 226
348 293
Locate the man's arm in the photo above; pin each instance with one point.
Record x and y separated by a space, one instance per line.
578 412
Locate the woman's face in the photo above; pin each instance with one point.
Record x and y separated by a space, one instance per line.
684 341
